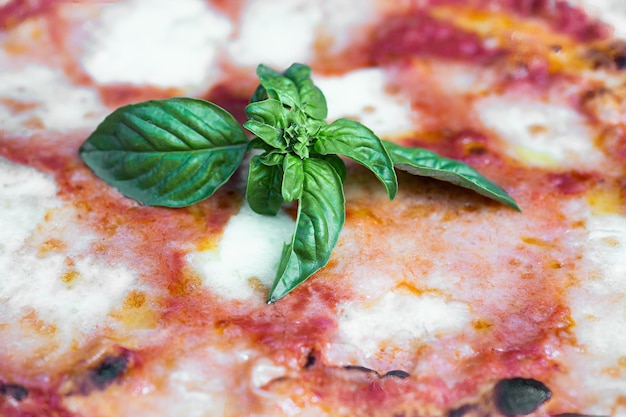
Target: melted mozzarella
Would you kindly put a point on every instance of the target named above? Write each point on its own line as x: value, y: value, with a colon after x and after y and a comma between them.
x: 396, y: 322
x: 539, y: 133
x: 612, y: 12
x: 247, y: 255
x: 363, y: 95
x: 31, y: 102
x: 289, y: 24
x: 51, y: 294
x: 597, y: 302
x: 159, y: 42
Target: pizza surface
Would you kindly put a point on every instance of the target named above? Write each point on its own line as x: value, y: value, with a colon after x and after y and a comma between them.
x: 438, y: 303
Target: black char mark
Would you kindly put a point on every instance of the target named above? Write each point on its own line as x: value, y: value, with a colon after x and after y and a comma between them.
x: 108, y: 371
x: 17, y: 392
x: 311, y: 359
x: 396, y: 373
x: 520, y: 396
x: 620, y: 63
x: 462, y: 411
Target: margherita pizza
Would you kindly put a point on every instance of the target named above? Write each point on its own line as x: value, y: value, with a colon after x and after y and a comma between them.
x: 438, y: 302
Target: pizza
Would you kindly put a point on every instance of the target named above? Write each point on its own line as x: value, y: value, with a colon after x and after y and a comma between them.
x: 440, y: 302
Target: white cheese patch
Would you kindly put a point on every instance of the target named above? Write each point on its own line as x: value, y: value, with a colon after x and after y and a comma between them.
x: 276, y: 32
x: 247, y: 254
x: 41, y: 98
x: 51, y: 297
x: 460, y: 78
x: 398, y: 320
x: 597, y: 305
x: 612, y: 12
x: 25, y: 196
x: 539, y: 133
x: 158, y: 42
x: 363, y: 95
x: 344, y: 24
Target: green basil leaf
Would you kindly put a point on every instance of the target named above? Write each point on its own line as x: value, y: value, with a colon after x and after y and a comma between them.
x: 272, y: 158
x: 270, y: 112
x: 312, y: 99
x: 269, y: 134
x: 423, y: 162
x: 268, y: 118
x: 263, y: 191
x: 338, y: 164
x: 293, y: 177
x: 278, y: 86
x: 172, y: 152
x: 321, y: 215
x: 352, y: 139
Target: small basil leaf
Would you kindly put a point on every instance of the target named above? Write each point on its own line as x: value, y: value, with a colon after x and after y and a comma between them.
x: 312, y: 99
x: 270, y: 112
x: 352, y: 139
x: 293, y: 177
x: 278, y: 86
x: 338, y: 164
x: 263, y: 191
x: 423, y: 162
x: 172, y: 152
x: 269, y: 134
x: 321, y: 215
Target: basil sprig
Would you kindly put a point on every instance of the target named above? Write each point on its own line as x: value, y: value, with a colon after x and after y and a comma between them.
x: 179, y: 151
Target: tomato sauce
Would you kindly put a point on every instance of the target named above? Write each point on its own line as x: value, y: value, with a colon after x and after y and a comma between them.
x: 16, y: 11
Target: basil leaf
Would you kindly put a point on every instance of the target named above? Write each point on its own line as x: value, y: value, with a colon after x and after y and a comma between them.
x: 263, y: 191
x: 293, y: 177
x: 418, y: 161
x: 352, y: 139
x: 272, y: 158
x: 338, y: 164
x: 270, y: 112
x: 278, y: 86
x: 312, y: 99
x: 269, y: 134
x: 321, y: 214
x: 172, y: 152
x: 268, y: 118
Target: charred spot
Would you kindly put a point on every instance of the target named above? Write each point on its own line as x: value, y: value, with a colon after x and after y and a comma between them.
x: 98, y: 375
x: 462, y: 411
x: 397, y: 373
x: 520, y: 396
x: 608, y: 55
x: 620, y: 61
x: 310, y: 359
x: 109, y: 370
x: 15, y: 391
x: 360, y: 368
